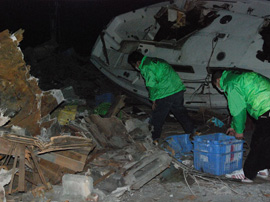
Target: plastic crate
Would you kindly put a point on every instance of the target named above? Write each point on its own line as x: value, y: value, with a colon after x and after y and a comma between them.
x: 217, y: 154
x: 218, y: 164
x: 217, y: 143
x: 178, y: 146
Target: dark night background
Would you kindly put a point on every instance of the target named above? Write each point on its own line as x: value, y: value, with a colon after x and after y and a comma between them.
x: 58, y: 38
x: 74, y: 23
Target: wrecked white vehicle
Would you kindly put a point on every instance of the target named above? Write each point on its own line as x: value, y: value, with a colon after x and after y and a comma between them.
x: 195, y: 37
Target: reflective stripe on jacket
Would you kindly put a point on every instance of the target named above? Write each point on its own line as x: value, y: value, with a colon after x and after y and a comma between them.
x: 246, y: 92
x: 160, y: 78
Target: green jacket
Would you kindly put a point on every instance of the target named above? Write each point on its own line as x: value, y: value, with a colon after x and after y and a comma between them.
x: 246, y: 92
x: 160, y: 78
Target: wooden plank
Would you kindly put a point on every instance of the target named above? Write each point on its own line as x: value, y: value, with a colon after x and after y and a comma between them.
x: 65, y: 159
x: 117, y: 105
x: 104, y: 177
x: 38, y: 168
x: 13, y: 170
x: 77, y: 147
x: 99, y: 138
x: 5, y: 147
x: 95, y: 154
x: 21, y: 187
x: 110, y: 128
x: 53, y: 172
x: 74, y: 155
x: 67, y: 143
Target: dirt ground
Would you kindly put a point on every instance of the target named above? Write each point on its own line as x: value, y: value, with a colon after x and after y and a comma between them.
x: 171, y: 186
x: 200, y: 191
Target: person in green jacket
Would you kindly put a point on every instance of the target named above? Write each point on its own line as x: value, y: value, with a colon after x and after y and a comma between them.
x: 248, y: 92
x: 166, y: 91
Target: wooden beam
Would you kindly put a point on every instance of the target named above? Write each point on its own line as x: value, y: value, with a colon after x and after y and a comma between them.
x: 38, y: 168
x: 104, y: 177
x: 13, y: 171
x: 68, y: 159
x: 117, y: 105
x: 21, y: 187
x: 6, y: 147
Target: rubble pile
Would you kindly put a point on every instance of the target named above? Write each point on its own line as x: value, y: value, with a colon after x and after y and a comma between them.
x: 51, y: 151
x: 57, y: 146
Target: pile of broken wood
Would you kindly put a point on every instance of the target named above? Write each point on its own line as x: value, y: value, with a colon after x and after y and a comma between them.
x: 116, y: 153
x: 36, y: 151
x: 107, y: 147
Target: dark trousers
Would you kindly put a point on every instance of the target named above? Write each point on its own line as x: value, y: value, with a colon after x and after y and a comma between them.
x: 259, y: 155
x: 174, y: 104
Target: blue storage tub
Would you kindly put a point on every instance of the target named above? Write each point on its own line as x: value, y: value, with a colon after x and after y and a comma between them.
x: 217, y: 143
x: 218, y: 153
x: 178, y: 146
x: 218, y: 164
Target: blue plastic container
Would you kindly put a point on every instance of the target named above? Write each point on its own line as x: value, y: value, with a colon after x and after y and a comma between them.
x: 218, y: 164
x: 179, y: 146
x: 217, y: 143
x: 217, y: 154
x: 106, y: 97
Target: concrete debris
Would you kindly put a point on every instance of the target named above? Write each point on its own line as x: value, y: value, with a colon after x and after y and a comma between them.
x: 5, y: 177
x: 108, y: 132
x: 138, y: 129
x: 134, y: 123
x: 70, y: 96
x: 64, y: 151
x: 3, y: 119
x: 77, y: 186
x: 54, y: 138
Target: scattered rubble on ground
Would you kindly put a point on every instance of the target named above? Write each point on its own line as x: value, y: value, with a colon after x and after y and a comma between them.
x: 78, y: 152
x: 55, y: 147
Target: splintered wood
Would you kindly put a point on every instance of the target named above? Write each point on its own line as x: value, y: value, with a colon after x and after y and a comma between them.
x: 107, y: 132
x: 21, y: 97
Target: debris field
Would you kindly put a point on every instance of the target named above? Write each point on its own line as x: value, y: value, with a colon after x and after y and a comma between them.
x: 68, y: 134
